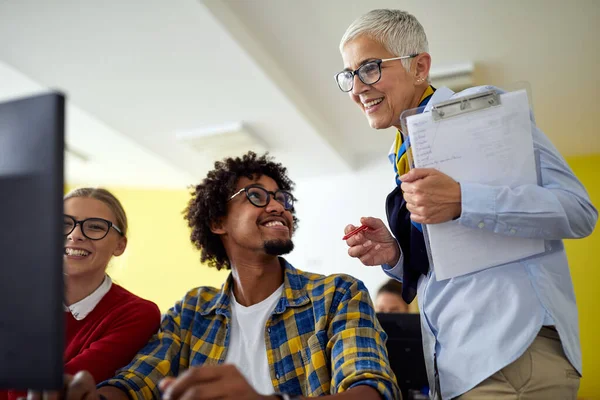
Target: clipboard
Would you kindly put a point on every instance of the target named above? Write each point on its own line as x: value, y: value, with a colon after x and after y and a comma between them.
x: 483, y: 138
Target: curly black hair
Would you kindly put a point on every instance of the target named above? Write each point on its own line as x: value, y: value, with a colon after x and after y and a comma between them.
x: 209, y: 200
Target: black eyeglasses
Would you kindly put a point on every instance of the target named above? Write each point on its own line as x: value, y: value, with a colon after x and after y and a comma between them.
x: 92, y: 228
x: 260, y: 197
x: 369, y: 73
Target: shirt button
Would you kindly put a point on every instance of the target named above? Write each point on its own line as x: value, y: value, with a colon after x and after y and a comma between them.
x: 269, y: 329
x: 276, y: 376
x: 481, y: 225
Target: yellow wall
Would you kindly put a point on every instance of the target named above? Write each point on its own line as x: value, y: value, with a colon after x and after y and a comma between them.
x: 160, y: 264
x: 584, y: 260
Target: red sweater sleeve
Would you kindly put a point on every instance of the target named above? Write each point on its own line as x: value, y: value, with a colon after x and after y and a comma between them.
x: 130, y: 330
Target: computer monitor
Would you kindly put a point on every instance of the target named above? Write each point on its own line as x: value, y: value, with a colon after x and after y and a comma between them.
x: 31, y: 242
x: 405, y: 350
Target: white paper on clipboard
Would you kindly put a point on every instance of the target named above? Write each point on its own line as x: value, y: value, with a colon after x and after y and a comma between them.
x: 484, y: 139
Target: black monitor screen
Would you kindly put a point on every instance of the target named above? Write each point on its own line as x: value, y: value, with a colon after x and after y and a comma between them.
x: 405, y: 350
x: 31, y: 242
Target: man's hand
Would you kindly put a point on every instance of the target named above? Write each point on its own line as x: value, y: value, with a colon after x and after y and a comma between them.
x: 431, y: 197
x: 375, y: 246
x: 209, y: 382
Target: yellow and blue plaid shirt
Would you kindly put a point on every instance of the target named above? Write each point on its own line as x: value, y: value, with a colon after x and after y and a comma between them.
x: 322, y: 338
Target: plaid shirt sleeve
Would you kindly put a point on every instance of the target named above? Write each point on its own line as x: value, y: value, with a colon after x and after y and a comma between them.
x: 357, y: 345
x: 158, y: 359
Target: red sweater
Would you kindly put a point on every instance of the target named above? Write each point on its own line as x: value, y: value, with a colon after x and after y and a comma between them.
x: 107, y: 338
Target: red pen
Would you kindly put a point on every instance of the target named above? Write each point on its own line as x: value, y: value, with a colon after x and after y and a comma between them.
x: 354, y: 232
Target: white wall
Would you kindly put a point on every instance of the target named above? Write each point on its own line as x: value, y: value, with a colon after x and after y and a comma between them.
x: 325, y: 206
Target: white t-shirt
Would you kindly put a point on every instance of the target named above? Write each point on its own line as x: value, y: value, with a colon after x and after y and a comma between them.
x: 247, y: 349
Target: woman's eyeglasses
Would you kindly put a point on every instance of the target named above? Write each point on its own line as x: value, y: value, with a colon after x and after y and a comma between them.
x: 369, y: 73
x: 92, y: 228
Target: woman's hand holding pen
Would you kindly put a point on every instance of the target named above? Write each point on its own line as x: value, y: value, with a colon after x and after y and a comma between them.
x: 374, y: 245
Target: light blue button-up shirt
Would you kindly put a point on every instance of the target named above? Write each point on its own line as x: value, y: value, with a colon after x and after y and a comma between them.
x: 479, y: 323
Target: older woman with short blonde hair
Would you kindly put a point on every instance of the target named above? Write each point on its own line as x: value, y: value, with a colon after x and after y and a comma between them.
x: 502, y: 332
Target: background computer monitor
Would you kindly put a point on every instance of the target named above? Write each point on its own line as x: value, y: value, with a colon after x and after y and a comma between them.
x: 31, y: 242
x: 405, y: 350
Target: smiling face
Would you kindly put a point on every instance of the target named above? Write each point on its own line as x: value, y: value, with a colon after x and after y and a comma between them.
x: 84, y: 257
x: 397, y: 90
x: 248, y: 229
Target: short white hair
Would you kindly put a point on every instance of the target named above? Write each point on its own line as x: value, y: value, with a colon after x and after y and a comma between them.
x: 398, y: 31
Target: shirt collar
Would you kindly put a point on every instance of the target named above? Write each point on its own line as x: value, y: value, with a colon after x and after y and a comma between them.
x: 83, y: 307
x: 294, y: 293
x: 441, y: 94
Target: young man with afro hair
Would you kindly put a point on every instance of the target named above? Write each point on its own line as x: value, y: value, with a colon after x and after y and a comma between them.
x: 271, y: 331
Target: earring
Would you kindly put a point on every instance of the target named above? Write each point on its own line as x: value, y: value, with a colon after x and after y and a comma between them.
x: 420, y: 80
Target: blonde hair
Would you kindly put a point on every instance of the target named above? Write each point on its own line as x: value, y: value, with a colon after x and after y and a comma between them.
x: 107, y: 198
x: 398, y: 31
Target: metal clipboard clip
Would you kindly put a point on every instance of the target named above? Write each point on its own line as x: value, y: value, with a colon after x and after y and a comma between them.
x: 451, y: 108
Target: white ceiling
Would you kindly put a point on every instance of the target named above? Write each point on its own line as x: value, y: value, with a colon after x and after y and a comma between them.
x: 98, y: 154
x: 137, y: 73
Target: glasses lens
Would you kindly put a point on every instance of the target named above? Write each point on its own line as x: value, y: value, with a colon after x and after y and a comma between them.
x: 69, y: 225
x: 285, y: 198
x: 369, y: 73
x: 95, y: 228
x: 257, y: 196
x: 345, y: 79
